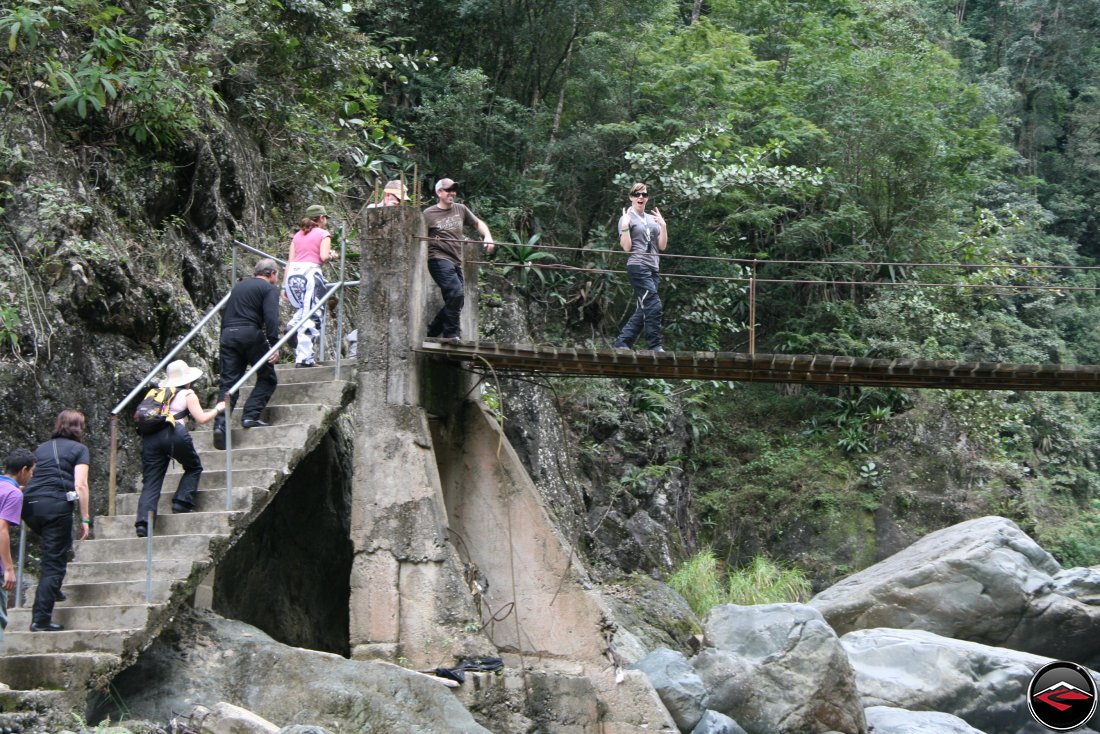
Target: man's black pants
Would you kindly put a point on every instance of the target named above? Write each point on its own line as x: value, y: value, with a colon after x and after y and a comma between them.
x: 242, y: 347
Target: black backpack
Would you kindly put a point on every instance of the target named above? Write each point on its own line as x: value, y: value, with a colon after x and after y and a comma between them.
x: 153, y: 412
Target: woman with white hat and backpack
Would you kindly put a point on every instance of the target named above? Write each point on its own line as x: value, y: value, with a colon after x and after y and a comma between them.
x: 173, y: 442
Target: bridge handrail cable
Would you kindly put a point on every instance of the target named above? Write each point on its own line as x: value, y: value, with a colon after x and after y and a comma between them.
x: 762, y: 262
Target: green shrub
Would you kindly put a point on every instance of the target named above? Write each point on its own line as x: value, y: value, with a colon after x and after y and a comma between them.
x: 765, y: 582
x: 697, y: 580
x: 703, y: 585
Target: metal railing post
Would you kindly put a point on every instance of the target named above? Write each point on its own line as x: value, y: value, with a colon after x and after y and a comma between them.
x: 149, y: 557
x: 112, y: 475
x: 340, y: 306
x: 19, y: 565
x: 233, y: 269
x: 752, y: 310
x: 228, y: 451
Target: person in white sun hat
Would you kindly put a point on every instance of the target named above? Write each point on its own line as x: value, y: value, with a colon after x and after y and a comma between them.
x: 173, y: 442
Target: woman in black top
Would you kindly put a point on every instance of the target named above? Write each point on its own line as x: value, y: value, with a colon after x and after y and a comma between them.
x: 60, y: 480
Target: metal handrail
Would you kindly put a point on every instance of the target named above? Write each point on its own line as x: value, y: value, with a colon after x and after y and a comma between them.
x: 259, y: 363
x: 112, y: 480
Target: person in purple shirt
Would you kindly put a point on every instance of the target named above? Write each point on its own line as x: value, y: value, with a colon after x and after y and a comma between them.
x: 18, y: 470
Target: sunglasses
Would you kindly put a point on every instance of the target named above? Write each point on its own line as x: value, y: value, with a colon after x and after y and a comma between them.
x: 453, y: 189
x: 640, y: 195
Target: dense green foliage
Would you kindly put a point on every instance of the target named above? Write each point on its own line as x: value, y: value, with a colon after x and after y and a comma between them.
x: 863, y: 133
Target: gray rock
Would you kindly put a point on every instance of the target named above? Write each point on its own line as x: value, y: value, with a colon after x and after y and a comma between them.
x: 304, y: 729
x: 919, y: 671
x: 716, y: 723
x: 216, y: 659
x: 778, y: 668
x: 982, y: 580
x: 887, y: 720
x: 1062, y: 622
x: 225, y: 718
x: 679, y: 686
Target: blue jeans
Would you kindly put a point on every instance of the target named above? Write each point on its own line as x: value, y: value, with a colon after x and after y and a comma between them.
x: 647, y: 315
x: 448, y: 277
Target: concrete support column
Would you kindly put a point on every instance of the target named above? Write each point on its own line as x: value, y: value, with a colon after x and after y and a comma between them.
x: 408, y: 592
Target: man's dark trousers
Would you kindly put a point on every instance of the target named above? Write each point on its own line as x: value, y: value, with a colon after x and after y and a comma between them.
x: 241, y: 347
x: 448, y: 277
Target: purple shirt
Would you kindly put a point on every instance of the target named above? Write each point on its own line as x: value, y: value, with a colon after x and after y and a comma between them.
x: 11, y: 502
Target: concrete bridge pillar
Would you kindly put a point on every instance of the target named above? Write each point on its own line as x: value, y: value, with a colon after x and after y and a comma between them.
x: 433, y: 467
x: 409, y: 598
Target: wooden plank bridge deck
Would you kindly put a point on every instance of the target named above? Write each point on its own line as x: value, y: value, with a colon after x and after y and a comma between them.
x: 793, y: 368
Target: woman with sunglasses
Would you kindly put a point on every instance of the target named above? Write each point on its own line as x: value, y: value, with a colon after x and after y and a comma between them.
x: 642, y: 234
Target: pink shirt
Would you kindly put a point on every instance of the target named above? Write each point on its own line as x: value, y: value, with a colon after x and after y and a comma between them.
x: 307, y: 245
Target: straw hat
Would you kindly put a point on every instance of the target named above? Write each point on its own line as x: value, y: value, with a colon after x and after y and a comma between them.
x: 179, y: 373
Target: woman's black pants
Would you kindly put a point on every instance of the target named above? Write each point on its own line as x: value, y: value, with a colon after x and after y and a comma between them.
x: 52, y: 519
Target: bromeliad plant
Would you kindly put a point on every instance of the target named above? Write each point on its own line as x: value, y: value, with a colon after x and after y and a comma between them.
x: 523, y: 260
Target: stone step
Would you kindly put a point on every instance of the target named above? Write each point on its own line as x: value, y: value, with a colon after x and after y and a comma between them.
x: 265, y: 457
x: 214, y: 480
x: 191, y: 523
x: 26, y: 672
x: 206, y: 500
x: 109, y: 593
x: 189, y: 547
x: 278, y: 434
x: 24, y: 642
x: 85, y: 618
x: 299, y: 393
x: 323, y: 372
x: 15, y: 703
x: 84, y: 572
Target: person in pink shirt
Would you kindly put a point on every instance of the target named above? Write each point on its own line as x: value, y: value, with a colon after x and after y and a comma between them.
x: 310, y: 248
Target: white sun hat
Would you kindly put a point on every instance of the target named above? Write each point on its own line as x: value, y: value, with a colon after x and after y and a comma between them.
x: 179, y: 373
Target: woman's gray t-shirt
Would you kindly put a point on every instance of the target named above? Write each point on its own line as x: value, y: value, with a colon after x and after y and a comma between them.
x: 644, y: 236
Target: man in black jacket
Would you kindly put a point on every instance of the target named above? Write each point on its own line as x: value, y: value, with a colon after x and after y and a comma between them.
x: 250, y: 326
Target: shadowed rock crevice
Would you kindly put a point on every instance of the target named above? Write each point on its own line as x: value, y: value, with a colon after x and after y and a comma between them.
x: 289, y: 574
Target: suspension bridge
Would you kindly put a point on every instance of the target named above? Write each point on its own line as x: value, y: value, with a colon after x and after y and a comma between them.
x: 751, y: 366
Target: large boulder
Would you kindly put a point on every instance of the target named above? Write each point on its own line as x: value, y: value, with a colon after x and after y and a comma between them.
x: 778, y: 668
x: 919, y: 671
x: 887, y: 720
x: 1061, y: 622
x: 211, y: 659
x: 983, y: 580
x: 679, y: 686
x: 716, y: 723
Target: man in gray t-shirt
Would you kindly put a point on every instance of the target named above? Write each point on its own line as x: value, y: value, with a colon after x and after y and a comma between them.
x: 643, y: 234
x: 445, y: 221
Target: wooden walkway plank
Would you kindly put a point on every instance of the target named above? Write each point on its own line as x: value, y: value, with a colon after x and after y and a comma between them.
x: 814, y: 369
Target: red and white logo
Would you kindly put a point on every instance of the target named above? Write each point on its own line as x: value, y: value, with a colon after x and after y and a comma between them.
x: 1062, y: 696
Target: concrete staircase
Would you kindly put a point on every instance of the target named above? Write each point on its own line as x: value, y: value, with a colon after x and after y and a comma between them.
x: 107, y: 620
